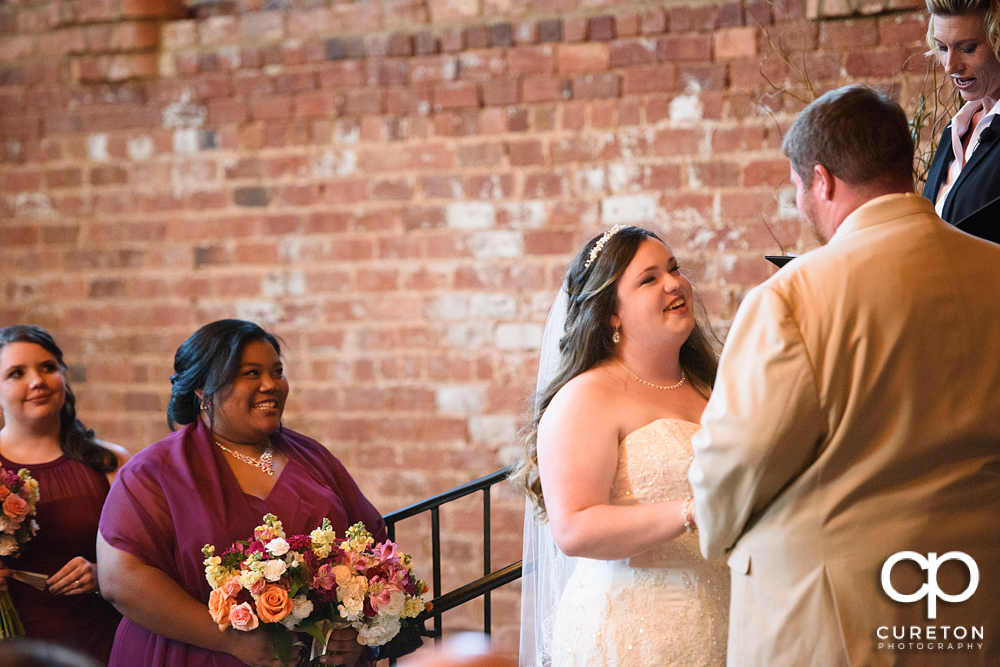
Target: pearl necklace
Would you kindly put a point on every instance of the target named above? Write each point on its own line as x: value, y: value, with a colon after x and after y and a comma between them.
x: 263, y: 461
x: 656, y: 386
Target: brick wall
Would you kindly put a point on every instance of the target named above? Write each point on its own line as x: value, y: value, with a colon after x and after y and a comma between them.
x: 394, y: 187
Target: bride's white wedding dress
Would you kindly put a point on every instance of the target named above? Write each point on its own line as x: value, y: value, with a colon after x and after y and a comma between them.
x: 667, y: 607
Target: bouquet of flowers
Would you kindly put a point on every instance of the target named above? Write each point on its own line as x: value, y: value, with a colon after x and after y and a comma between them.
x: 313, y: 583
x: 18, y: 497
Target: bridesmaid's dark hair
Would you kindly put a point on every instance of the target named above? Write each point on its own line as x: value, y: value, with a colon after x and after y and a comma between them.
x: 76, y: 440
x: 593, y: 299
x: 209, y: 360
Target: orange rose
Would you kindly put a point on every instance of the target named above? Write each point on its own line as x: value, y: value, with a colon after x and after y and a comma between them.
x: 15, y: 507
x: 219, y: 605
x: 4, y: 492
x: 274, y: 604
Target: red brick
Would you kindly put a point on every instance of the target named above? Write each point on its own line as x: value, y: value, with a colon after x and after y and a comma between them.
x: 653, y: 22
x: 735, y: 43
x: 433, y: 156
x: 169, y: 9
x: 596, y: 86
x: 525, y: 153
x: 135, y: 36
x: 632, y: 52
x: 684, y: 47
x: 574, y: 29
x: 271, y: 108
x: 432, y: 69
x: 848, y: 35
x: 342, y: 74
x: 362, y: 102
x: 898, y: 30
x: 686, y: 19
x: 645, y: 80
x: 545, y: 89
x: 455, y: 95
x: 627, y: 24
x: 874, y: 63
x: 738, y: 139
x: 677, y: 141
x: 531, y: 60
x: 315, y: 104
x: 706, y: 77
x: 500, y: 92
x: 592, y: 57
x: 541, y: 185
x: 486, y: 154
x: 481, y: 65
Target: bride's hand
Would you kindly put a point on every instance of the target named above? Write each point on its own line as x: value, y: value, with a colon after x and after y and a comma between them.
x: 689, y: 514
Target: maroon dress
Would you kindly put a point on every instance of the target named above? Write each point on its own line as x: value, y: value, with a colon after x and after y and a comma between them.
x: 179, y: 494
x: 70, y: 498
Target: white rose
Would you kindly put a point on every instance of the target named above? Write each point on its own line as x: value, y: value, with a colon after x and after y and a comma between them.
x: 8, y: 545
x: 395, y: 605
x: 277, y: 547
x: 274, y: 569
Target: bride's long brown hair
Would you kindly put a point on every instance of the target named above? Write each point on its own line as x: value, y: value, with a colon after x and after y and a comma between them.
x: 593, y: 299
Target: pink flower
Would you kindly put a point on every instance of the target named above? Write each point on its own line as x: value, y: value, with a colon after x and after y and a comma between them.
x: 231, y: 588
x: 325, y: 578
x: 258, y: 586
x: 242, y: 617
x: 386, y: 553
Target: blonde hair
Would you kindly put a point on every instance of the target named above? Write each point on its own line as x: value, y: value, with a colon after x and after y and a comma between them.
x: 988, y: 9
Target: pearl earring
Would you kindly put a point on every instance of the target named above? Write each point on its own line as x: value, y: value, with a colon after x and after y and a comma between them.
x: 616, y: 337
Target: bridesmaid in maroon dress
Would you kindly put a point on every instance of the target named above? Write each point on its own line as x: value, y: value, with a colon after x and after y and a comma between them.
x: 41, y: 432
x: 211, y: 482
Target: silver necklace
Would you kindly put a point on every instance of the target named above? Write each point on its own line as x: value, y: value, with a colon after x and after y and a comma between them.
x: 263, y: 461
x: 655, y: 386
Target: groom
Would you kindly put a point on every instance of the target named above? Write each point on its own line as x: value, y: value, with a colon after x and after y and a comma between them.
x: 852, y: 441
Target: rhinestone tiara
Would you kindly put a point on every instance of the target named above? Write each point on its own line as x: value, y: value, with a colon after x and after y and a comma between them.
x: 599, y: 246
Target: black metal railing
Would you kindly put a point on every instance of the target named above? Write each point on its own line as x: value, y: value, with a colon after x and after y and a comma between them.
x: 480, y: 587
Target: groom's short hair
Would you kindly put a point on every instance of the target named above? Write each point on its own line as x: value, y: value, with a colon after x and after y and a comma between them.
x: 856, y: 133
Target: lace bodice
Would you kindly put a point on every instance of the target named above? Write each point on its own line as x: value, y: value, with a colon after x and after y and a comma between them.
x: 665, y: 607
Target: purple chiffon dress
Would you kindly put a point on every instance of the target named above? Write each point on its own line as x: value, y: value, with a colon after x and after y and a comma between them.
x: 179, y: 494
x: 70, y: 498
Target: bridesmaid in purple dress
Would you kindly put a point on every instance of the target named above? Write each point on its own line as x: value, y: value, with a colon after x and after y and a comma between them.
x: 211, y: 482
x: 74, y: 471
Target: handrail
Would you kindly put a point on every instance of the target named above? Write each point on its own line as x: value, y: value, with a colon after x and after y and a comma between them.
x: 480, y: 587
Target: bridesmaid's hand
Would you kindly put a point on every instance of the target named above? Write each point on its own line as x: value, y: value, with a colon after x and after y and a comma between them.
x: 76, y: 577
x: 256, y: 648
x: 343, y: 648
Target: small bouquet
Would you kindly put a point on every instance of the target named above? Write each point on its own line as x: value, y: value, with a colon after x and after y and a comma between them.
x: 18, y: 498
x: 313, y: 583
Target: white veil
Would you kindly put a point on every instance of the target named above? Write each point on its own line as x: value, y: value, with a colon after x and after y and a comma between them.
x: 545, y: 569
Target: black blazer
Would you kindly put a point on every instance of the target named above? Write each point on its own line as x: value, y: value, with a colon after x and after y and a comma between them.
x: 973, y: 204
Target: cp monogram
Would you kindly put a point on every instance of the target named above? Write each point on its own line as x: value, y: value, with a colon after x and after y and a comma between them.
x: 930, y: 589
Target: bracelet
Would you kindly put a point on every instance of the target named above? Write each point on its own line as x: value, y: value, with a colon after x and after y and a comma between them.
x: 686, y: 513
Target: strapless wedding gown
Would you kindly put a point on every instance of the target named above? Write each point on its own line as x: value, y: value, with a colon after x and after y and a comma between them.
x: 667, y: 607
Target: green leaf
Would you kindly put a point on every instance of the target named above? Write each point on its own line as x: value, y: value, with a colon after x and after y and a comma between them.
x: 282, y: 645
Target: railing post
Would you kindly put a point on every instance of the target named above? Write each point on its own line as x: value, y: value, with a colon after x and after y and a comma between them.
x: 487, y: 562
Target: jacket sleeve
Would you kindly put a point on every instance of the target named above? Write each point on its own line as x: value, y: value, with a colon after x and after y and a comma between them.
x: 762, y: 426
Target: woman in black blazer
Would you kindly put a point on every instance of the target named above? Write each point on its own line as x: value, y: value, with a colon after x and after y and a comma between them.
x: 964, y: 177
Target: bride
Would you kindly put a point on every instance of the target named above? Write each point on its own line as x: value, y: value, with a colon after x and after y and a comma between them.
x: 614, y: 577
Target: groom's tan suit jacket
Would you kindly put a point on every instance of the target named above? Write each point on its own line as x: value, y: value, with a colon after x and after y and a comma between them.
x: 856, y: 415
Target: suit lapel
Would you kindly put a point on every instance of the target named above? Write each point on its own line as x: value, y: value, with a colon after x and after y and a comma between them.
x: 939, y: 165
x: 978, y: 155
